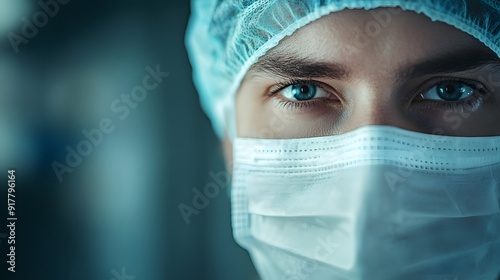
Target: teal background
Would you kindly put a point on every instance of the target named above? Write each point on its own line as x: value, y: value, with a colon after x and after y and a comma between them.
x: 119, y: 207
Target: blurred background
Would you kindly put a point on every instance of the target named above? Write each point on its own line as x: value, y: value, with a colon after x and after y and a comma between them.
x: 103, y: 168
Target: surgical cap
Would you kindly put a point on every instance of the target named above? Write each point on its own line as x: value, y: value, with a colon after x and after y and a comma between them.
x: 226, y: 37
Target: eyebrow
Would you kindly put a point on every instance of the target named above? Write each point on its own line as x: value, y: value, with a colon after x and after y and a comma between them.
x: 288, y: 65
x: 456, y: 61
x: 291, y: 65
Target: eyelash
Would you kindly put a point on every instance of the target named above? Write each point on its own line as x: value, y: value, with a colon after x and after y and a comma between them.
x: 298, y: 105
x: 462, y: 105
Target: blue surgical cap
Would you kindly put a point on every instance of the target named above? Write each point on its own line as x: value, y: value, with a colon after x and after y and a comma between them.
x: 226, y: 37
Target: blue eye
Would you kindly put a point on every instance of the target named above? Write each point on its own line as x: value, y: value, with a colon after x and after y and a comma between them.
x: 449, y: 91
x: 303, y: 92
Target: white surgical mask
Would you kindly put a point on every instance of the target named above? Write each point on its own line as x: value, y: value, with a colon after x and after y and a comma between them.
x: 375, y: 203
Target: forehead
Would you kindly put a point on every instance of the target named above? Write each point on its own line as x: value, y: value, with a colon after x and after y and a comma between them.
x: 391, y: 35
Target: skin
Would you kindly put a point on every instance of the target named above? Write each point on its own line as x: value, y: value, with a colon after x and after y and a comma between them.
x: 384, y: 72
x: 389, y: 78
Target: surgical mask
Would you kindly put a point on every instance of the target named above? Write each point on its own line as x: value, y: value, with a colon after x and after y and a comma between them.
x: 378, y: 202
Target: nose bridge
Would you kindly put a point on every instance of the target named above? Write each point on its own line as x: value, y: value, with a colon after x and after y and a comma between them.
x: 377, y: 113
x: 371, y: 105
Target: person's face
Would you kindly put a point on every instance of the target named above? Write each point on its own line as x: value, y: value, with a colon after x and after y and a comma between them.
x: 348, y: 70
